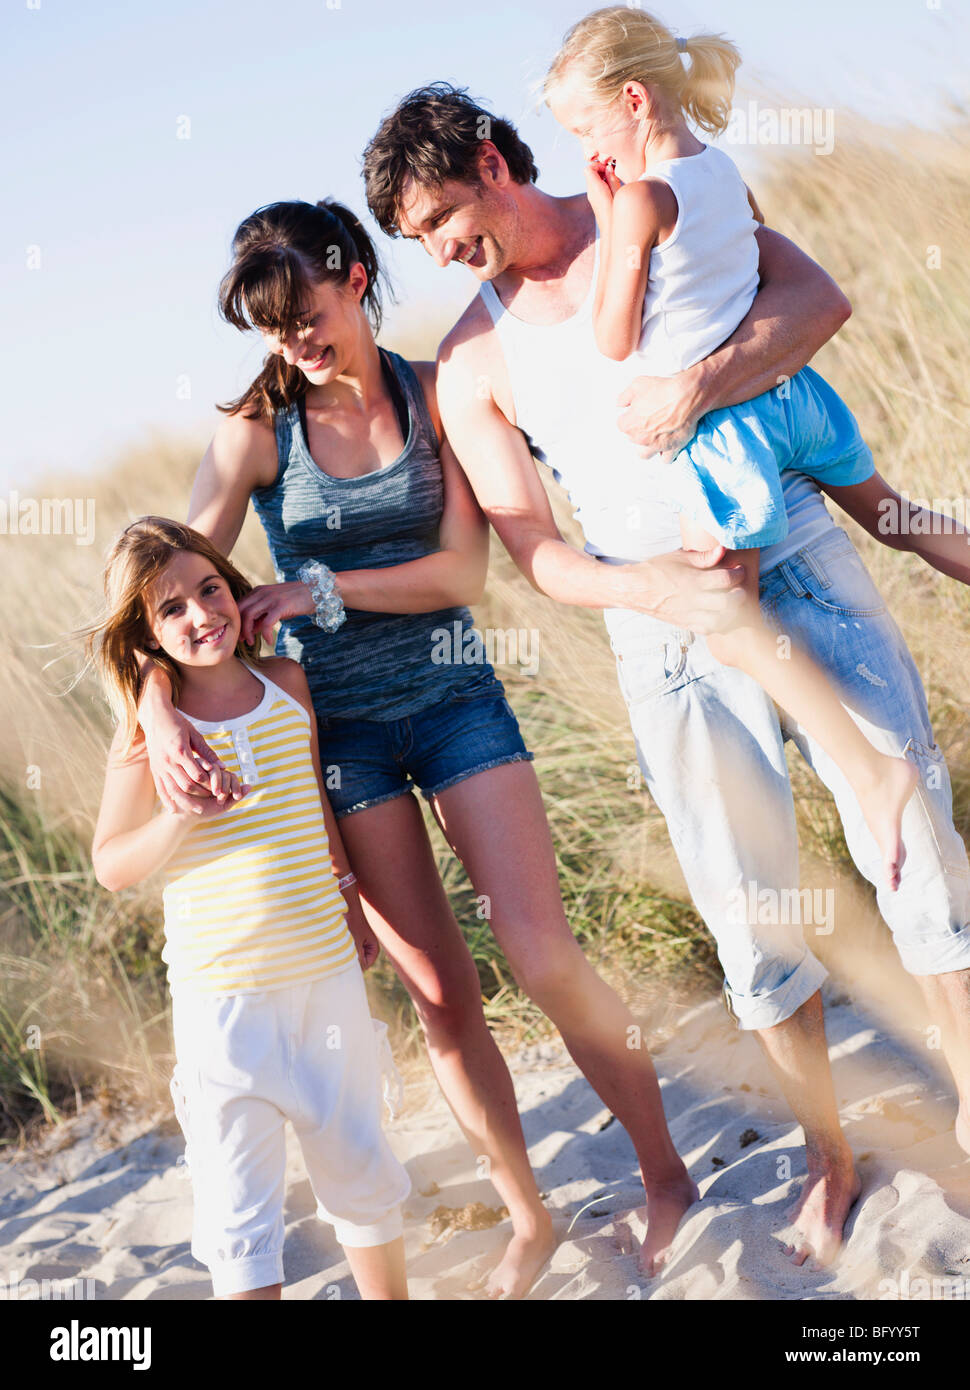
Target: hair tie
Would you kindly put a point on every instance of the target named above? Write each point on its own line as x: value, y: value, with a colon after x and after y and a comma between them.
x: 682, y: 45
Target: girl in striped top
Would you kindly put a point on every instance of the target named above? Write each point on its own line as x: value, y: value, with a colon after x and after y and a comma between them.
x: 264, y: 933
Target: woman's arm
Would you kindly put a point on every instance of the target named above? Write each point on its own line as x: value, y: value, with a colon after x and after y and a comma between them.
x: 903, y: 525
x: 451, y: 576
x: 291, y: 676
x: 241, y: 456
x: 641, y: 211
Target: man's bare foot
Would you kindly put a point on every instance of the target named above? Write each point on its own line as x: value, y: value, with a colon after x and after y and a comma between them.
x: 522, y: 1263
x: 883, y: 805
x: 820, y: 1214
x: 666, y: 1205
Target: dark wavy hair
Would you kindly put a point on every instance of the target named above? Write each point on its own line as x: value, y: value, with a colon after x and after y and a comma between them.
x: 279, y: 253
x: 435, y: 135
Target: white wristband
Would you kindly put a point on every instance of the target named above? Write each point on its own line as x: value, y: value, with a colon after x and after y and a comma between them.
x: 347, y: 880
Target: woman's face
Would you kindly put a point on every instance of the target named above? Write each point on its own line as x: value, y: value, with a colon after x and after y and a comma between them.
x: 191, y: 612
x: 327, y: 339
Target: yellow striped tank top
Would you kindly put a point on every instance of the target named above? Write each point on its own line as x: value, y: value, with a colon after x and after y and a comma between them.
x: 251, y: 901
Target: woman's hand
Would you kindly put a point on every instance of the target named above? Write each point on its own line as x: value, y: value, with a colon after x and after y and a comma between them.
x: 188, y: 777
x: 269, y: 604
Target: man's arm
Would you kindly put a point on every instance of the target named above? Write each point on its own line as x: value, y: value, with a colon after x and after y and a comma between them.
x: 681, y: 588
x: 796, y: 310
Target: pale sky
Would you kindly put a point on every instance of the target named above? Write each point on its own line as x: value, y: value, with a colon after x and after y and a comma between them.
x: 116, y: 232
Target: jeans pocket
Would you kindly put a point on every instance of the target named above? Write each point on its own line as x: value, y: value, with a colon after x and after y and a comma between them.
x: 647, y: 675
x: 837, y: 582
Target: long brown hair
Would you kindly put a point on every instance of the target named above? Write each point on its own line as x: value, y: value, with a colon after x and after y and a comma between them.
x: 279, y: 252
x: 114, y: 639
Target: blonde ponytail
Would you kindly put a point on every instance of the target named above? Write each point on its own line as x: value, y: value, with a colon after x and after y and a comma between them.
x: 619, y: 44
x: 708, y: 87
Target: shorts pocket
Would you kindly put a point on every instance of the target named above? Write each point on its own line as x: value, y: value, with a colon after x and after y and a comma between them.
x: 180, y: 1100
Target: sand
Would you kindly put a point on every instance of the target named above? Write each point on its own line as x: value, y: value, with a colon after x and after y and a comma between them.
x: 109, y: 1201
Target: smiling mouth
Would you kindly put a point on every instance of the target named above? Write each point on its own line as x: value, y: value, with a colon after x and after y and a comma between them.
x: 472, y: 253
x: 316, y: 364
x: 211, y: 637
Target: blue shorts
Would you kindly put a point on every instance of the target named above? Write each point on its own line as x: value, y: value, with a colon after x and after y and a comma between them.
x: 367, y: 761
x: 727, y: 478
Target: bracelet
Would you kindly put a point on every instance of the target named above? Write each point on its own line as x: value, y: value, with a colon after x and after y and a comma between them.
x: 329, y: 605
x: 347, y: 880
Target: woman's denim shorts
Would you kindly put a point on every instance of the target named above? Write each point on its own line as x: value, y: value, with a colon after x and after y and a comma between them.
x: 367, y: 761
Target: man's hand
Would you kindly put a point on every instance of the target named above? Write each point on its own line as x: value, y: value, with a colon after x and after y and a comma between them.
x: 688, y: 588
x: 660, y: 413
x: 269, y: 604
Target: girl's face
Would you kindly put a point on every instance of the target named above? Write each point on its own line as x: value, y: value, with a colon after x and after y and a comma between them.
x: 327, y: 340
x: 614, y: 135
x: 191, y: 612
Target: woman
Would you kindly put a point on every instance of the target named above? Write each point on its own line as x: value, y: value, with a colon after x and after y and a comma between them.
x: 339, y: 445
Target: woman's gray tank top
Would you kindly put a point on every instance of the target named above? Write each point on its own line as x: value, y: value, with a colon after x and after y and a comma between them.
x: 376, y: 665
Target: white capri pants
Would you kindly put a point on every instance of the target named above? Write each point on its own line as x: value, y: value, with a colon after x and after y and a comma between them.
x: 247, y: 1063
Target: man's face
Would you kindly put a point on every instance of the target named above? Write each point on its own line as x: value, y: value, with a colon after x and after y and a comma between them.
x: 465, y: 222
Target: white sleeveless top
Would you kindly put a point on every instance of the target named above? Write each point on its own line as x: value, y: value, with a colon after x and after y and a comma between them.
x: 704, y: 277
x: 564, y: 392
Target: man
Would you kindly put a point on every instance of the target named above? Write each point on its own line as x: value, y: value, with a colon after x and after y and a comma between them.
x: 521, y: 366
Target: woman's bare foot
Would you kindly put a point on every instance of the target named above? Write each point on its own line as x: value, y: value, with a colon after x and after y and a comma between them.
x: 819, y: 1216
x: 667, y: 1204
x: 882, y: 805
x: 522, y: 1263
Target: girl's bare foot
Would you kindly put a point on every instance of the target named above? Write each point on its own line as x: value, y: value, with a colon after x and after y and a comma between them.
x: 667, y: 1204
x: 963, y: 1127
x: 882, y: 805
x: 522, y: 1263
x: 819, y: 1216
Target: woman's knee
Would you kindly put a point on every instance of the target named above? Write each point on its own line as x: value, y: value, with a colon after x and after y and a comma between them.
x: 551, y: 977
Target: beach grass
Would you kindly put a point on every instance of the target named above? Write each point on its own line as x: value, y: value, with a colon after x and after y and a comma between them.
x: 82, y: 998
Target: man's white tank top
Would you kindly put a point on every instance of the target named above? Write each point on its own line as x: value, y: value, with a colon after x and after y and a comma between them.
x: 564, y: 392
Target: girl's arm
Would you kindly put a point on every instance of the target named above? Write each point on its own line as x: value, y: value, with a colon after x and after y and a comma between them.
x: 291, y: 676
x: 129, y: 844
x: 453, y: 575
x: 642, y: 214
x: 902, y: 525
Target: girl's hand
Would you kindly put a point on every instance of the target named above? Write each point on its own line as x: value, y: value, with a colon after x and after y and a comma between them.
x: 601, y: 187
x: 269, y: 604
x: 186, y: 772
x: 221, y: 799
x: 368, y: 946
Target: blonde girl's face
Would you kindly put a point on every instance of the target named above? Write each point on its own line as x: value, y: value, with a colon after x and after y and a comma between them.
x: 612, y: 135
x: 191, y: 612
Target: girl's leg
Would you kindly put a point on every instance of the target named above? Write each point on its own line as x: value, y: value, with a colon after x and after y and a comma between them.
x: 496, y: 823
x: 882, y: 784
x: 407, y: 906
x: 270, y: 1291
x: 378, y: 1270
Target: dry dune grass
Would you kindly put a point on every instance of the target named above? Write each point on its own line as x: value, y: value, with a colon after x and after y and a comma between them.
x: 82, y: 966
